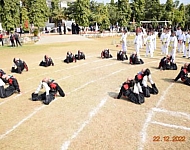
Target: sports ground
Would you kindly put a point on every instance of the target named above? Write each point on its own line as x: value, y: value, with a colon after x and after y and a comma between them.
x: 88, y: 117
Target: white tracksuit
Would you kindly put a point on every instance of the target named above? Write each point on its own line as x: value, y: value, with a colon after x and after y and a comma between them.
x: 181, y: 39
x: 137, y: 43
x: 124, y: 42
x: 162, y: 46
x: 165, y: 40
x: 173, y: 45
x: 187, y: 45
x: 149, y: 46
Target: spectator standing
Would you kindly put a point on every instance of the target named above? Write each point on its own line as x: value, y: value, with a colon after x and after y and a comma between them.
x: 1, y: 38
x: 16, y: 36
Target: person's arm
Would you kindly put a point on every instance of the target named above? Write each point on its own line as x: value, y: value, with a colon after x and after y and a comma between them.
x: 39, y: 88
x: 144, y: 81
x: 59, y: 89
x: 150, y: 79
x: 16, y: 85
x: 179, y: 75
x: 120, y: 93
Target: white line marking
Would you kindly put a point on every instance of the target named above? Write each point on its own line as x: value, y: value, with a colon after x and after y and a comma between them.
x: 172, y: 113
x: 150, y: 114
x: 41, y: 107
x: 171, y: 125
x: 91, y: 114
x: 22, y: 121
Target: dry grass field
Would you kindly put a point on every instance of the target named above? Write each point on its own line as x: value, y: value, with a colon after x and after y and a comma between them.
x: 88, y: 117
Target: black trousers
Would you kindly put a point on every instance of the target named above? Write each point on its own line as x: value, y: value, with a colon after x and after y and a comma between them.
x: 187, y: 81
x: 6, y: 92
x: 46, y: 99
x: 1, y: 40
x: 17, y: 42
x: 12, y: 43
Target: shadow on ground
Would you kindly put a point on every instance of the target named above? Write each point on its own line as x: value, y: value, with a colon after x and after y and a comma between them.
x: 114, y: 96
x: 169, y: 80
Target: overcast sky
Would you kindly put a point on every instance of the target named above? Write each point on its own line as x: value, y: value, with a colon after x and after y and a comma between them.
x: 162, y: 1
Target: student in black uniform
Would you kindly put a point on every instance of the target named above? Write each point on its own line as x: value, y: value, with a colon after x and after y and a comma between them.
x: 106, y: 54
x: 166, y: 63
x: 143, y: 77
x: 11, y: 89
x: 132, y: 91
x: 121, y: 55
x: 183, y: 74
x: 51, y: 88
x: 69, y: 58
x: 47, y: 61
x: 135, y: 60
x: 19, y: 65
x: 80, y: 55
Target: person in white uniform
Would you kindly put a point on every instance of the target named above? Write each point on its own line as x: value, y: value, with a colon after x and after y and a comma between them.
x: 166, y: 39
x: 173, y: 45
x: 187, y: 45
x: 140, y: 34
x: 162, y: 41
x: 154, y: 40
x: 137, y: 43
x: 149, y: 47
x: 181, y: 44
x: 124, y: 41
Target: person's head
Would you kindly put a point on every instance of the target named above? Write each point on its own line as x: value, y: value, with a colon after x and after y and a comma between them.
x: 172, y: 33
x: 185, y: 65
x: 5, y: 76
x: 130, y: 82
x: 146, y: 71
x: 45, y: 79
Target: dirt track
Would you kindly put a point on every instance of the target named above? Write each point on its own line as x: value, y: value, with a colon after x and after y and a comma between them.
x: 89, y: 117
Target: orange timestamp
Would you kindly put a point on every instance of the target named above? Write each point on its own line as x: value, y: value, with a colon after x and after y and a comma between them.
x: 168, y: 138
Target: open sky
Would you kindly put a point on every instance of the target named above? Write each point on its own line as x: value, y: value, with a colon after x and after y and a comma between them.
x: 162, y: 1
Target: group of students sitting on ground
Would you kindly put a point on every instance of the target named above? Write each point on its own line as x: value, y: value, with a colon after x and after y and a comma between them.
x: 137, y: 88
x: 73, y: 58
x: 167, y: 63
x: 121, y: 55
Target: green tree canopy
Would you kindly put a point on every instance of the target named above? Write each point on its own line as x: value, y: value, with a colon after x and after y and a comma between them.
x: 123, y: 12
x: 82, y: 12
x: 38, y: 12
x: 10, y: 14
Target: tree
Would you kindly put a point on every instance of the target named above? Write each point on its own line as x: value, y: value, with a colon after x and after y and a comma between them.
x: 112, y: 13
x: 38, y: 12
x: 112, y: 2
x: 57, y: 13
x: 169, y: 10
x: 69, y: 12
x: 123, y: 12
x: 10, y: 13
x: 153, y: 10
x: 138, y: 7
x: 82, y: 12
x: 24, y: 18
x: 187, y: 16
